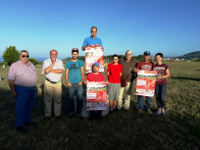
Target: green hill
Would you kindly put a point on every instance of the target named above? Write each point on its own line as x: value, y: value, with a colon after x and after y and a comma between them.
x: 191, y: 55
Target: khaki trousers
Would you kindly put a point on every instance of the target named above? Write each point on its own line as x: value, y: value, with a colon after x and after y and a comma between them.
x: 125, y: 92
x: 52, y: 92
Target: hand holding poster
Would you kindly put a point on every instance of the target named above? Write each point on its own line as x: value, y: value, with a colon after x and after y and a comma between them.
x: 146, y: 82
x: 96, y: 96
x: 93, y: 55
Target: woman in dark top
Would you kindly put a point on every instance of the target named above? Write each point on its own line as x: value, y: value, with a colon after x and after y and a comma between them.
x: 161, y: 84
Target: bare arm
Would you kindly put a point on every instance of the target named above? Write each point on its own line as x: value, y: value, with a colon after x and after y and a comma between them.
x: 67, y: 77
x: 167, y: 74
x: 121, y: 74
x: 86, y: 82
x: 83, y: 47
x: 57, y: 71
x: 49, y: 69
x: 12, y: 87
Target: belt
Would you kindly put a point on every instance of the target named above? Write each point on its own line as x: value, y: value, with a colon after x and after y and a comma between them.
x: 52, y: 81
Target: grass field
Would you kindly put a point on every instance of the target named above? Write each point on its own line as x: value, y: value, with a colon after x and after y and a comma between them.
x: 180, y: 129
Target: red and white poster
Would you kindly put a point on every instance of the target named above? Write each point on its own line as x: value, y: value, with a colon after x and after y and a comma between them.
x: 146, y: 83
x: 96, y: 96
x: 93, y: 55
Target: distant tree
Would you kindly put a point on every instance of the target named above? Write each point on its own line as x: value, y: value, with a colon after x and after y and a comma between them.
x: 197, y: 60
x: 11, y: 54
x: 33, y: 61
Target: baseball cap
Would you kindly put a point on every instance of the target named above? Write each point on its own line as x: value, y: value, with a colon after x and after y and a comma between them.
x: 128, y: 52
x: 75, y: 50
x: 146, y: 53
x: 96, y: 64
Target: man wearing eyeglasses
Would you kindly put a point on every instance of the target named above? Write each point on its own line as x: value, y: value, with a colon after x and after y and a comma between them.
x: 128, y: 64
x: 22, y: 79
x: 93, y: 40
x: 53, y: 69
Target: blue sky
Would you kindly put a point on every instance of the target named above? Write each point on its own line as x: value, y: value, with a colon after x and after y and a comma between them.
x: 168, y: 26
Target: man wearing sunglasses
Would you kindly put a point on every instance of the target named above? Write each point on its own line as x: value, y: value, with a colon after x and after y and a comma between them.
x: 22, y: 79
x: 53, y: 69
x: 93, y: 40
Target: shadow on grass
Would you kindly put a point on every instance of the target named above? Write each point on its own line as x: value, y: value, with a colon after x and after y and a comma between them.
x: 185, y: 78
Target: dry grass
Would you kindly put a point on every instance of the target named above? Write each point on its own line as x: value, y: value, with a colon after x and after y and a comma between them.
x: 180, y: 129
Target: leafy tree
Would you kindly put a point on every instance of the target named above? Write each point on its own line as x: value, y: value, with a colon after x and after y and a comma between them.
x: 11, y: 54
x: 33, y: 61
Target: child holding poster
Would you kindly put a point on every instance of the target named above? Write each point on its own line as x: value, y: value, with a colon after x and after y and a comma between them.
x: 95, y: 76
x: 161, y: 84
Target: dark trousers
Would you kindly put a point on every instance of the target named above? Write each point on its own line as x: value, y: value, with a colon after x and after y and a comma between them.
x: 95, y: 114
x: 24, y: 104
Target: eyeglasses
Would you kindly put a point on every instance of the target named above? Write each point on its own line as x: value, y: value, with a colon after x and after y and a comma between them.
x: 25, y: 56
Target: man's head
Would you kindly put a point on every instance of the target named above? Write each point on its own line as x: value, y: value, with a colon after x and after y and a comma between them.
x: 93, y: 31
x: 115, y: 58
x: 95, y: 67
x: 75, y: 53
x: 53, y: 54
x: 128, y: 55
x: 24, y: 56
x: 146, y: 56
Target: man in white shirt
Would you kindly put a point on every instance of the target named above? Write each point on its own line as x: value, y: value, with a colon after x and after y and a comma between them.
x: 53, y: 69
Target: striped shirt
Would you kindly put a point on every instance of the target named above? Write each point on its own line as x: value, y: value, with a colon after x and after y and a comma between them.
x: 22, y: 74
x: 54, y: 77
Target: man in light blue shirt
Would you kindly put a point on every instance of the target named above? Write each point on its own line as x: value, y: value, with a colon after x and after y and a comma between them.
x: 74, y: 78
x: 93, y: 40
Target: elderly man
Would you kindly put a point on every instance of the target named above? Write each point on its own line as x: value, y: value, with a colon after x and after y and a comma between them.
x: 93, y: 40
x: 128, y: 64
x: 22, y: 79
x: 53, y: 69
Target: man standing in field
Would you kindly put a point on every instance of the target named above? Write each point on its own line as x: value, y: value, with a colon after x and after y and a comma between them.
x: 144, y: 65
x: 128, y: 64
x: 53, y: 69
x: 95, y: 76
x: 114, y: 73
x: 92, y: 41
x: 22, y: 79
x: 74, y: 78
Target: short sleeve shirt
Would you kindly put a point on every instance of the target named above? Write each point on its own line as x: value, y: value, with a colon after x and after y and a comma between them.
x: 54, y: 77
x: 145, y: 66
x: 95, y: 77
x: 22, y: 74
x: 114, y: 73
x: 89, y: 40
x: 74, y: 73
x: 161, y: 70
x: 126, y: 68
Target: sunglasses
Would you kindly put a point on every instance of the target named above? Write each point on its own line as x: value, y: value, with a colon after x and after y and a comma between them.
x: 25, y: 56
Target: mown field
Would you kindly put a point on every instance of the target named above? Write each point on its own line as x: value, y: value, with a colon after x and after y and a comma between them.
x: 180, y: 129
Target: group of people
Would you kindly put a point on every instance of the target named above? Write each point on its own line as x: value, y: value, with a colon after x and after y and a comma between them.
x: 121, y: 73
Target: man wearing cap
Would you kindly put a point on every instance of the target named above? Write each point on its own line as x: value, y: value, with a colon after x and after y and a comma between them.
x: 53, y: 69
x: 128, y: 64
x: 144, y: 65
x: 74, y: 78
x: 95, y: 76
x: 93, y: 40
x: 22, y: 79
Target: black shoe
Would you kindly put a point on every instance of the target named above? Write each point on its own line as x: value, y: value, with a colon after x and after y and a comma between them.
x: 57, y: 117
x: 29, y: 124
x: 47, y: 118
x: 78, y: 115
x: 20, y: 129
x: 110, y: 112
x: 71, y: 114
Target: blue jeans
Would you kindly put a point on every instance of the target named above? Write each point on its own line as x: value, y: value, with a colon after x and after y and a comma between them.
x: 140, y: 102
x: 75, y: 90
x: 160, y: 95
x: 24, y: 104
